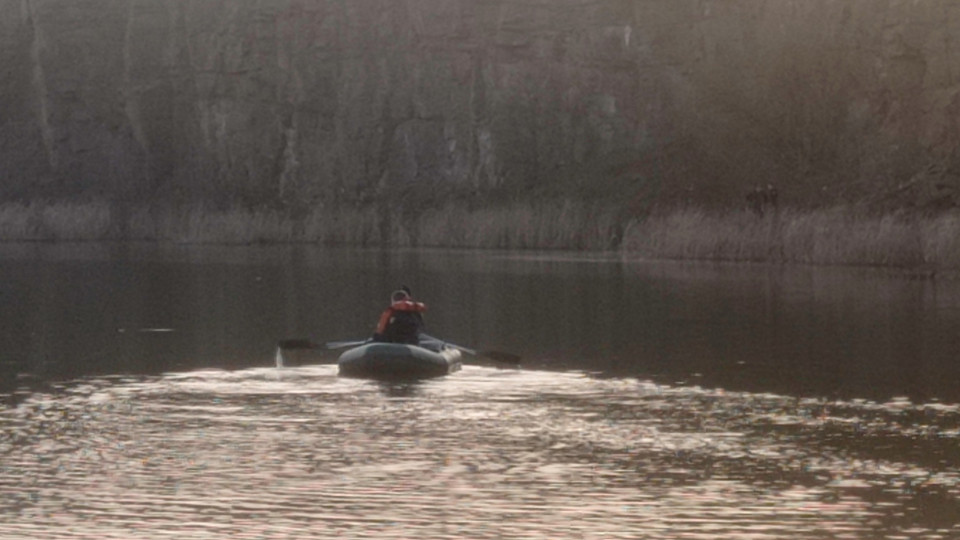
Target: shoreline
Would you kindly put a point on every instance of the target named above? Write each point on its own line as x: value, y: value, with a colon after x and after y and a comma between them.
x: 842, y: 236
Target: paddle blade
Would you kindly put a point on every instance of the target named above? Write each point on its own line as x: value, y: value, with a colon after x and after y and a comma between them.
x: 297, y: 344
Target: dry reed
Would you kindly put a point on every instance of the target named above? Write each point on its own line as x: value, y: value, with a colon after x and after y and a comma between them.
x: 55, y: 221
x: 836, y: 236
x: 200, y: 225
x: 829, y: 237
x: 547, y: 225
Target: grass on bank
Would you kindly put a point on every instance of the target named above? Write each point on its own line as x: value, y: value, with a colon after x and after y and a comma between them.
x: 198, y: 225
x: 55, y: 221
x: 562, y: 225
x: 837, y: 236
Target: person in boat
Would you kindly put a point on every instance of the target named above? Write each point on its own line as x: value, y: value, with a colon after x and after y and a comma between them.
x: 402, y: 322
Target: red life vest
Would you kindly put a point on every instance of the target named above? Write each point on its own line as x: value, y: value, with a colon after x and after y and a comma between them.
x: 408, y: 306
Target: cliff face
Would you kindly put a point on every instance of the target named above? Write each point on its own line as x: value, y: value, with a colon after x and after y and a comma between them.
x: 304, y: 101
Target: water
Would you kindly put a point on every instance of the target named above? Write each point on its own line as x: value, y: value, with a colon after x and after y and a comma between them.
x: 656, y: 401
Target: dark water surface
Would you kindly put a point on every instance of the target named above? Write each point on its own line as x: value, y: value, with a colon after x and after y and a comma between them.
x: 138, y: 399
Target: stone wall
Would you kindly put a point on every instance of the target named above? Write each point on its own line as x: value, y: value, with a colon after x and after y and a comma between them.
x: 314, y: 101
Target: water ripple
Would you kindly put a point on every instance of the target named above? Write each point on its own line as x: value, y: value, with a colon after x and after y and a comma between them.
x: 300, y: 453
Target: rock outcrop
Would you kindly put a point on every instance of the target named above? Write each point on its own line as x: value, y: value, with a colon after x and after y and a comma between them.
x: 309, y: 101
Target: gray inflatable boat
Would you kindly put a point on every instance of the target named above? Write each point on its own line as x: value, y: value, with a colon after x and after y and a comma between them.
x: 399, y: 361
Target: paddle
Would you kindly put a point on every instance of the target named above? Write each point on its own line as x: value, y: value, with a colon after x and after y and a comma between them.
x: 307, y: 344
x: 499, y: 356
x: 344, y: 344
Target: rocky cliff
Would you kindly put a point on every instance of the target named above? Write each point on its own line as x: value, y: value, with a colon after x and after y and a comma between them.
x: 306, y: 102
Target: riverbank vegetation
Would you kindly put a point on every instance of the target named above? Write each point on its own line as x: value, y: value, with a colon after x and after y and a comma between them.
x: 549, y: 225
x: 794, y: 132
x: 838, y: 236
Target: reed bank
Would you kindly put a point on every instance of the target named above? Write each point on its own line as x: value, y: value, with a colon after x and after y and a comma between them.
x: 814, y: 130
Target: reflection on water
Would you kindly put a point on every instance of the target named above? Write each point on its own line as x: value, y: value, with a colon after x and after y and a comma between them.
x: 297, y: 452
x: 72, y: 311
x: 138, y: 399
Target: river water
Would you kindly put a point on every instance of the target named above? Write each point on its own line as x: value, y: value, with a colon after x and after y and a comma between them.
x: 139, y: 398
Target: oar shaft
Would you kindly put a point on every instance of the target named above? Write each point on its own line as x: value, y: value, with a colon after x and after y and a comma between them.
x: 499, y: 356
x: 302, y: 343
x: 443, y: 342
x: 342, y: 344
x: 308, y: 344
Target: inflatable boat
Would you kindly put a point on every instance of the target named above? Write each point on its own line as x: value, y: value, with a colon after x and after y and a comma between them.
x: 399, y: 361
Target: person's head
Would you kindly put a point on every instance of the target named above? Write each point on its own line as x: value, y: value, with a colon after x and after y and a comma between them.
x: 399, y: 296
